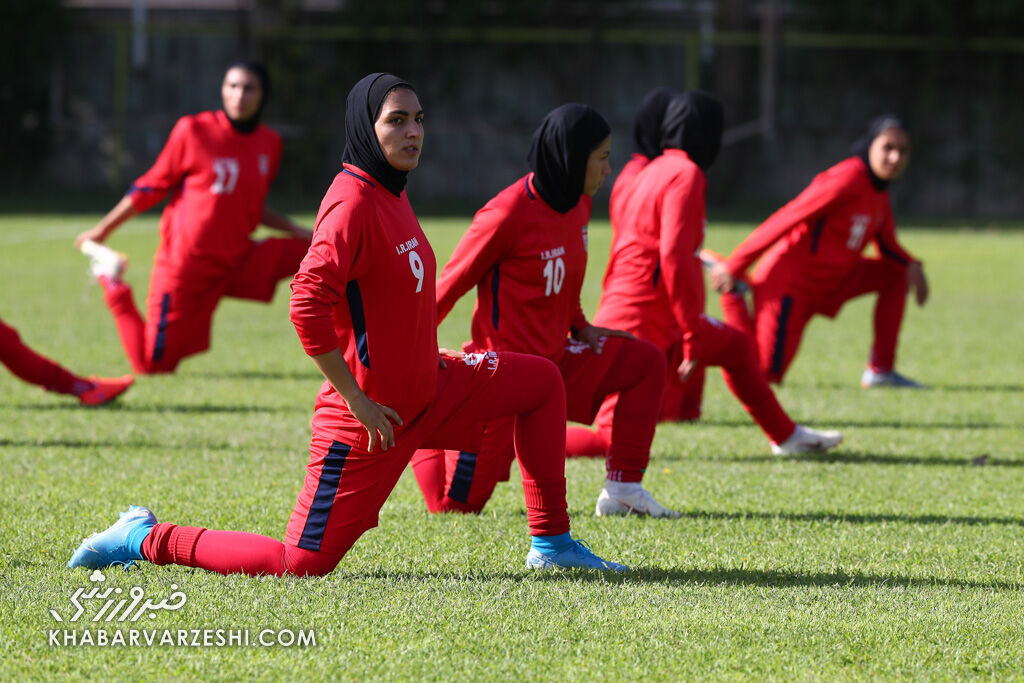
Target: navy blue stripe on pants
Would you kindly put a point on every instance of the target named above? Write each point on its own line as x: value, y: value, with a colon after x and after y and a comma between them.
x: 462, y: 479
x: 323, y: 500
x: 161, y: 329
x: 778, y: 354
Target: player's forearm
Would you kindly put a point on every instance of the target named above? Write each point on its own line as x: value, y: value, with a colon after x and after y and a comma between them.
x: 332, y: 365
x: 122, y: 211
x: 277, y: 221
x: 273, y: 219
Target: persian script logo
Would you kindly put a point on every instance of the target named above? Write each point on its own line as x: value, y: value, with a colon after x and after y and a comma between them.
x: 114, y: 606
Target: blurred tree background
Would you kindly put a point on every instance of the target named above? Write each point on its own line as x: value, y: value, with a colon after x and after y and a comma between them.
x: 91, y: 88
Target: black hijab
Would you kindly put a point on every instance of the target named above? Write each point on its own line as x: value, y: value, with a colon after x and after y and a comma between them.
x: 693, y: 123
x: 362, y: 148
x: 259, y: 70
x: 647, y: 125
x: 862, y: 145
x: 559, y: 152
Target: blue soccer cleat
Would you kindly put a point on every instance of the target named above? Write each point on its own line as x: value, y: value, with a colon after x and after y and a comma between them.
x: 120, y: 543
x: 576, y: 556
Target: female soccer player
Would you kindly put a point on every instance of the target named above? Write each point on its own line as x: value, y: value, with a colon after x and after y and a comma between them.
x: 679, y: 402
x: 28, y: 365
x: 654, y: 285
x: 812, y: 263
x: 218, y: 167
x: 363, y: 305
x: 526, y: 254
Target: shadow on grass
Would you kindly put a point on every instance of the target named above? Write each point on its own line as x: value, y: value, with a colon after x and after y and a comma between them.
x: 260, y: 374
x: 861, y: 458
x: 166, y: 408
x: 719, y: 575
x: 864, y: 424
x: 787, y: 579
x: 854, y: 518
x: 86, y: 444
x: 958, y: 388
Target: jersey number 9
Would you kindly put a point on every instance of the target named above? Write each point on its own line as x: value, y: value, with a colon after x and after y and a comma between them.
x: 416, y: 264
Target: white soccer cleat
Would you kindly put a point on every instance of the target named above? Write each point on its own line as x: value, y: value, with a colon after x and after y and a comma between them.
x: 638, y: 502
x: 807, y: 440
x: 104, y: 261
x: 870, y: 379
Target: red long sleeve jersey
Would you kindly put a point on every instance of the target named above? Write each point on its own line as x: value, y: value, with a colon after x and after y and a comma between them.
x: 218, y: 180
x: 623, y: 188
x: 367, y: 286
x: 527, y: 262
x: 653, y: 283
x: 817, y: 238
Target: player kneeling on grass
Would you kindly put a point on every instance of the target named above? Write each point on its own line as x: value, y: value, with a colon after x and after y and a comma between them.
x: 36, y: 369
x: 363, y: 305
x: 526, y: 254
x: 217, y: 167
x: 654, y: 284
x: 811, y: 262
x: 681, y: 402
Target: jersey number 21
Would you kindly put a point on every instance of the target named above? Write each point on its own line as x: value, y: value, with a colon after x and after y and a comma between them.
x: 227, y: 176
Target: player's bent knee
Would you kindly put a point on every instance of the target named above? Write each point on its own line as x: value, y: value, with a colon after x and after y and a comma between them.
x: 652, y: 359
x: 454, y: 506
x: 301, y: 562
x: 541, y: 371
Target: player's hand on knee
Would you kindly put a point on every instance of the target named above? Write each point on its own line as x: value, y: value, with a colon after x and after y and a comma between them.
x: 917, y: 282
x: 593, y: 336
x: 376, y: 419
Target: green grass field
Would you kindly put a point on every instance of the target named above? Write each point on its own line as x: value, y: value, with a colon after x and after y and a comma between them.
x: 896, y: 556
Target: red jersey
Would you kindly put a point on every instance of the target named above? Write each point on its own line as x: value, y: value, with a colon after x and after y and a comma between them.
x: 622, y: 189
x: 654, y: 285
x: 366, y: 286
x: 218, y: 180
x: 816, y: 239
x: 527, y: 262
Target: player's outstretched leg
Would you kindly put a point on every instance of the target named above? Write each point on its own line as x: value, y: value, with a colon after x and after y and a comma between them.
x: 31, y: 367
x: 137, y: 536
x: 735, y: 353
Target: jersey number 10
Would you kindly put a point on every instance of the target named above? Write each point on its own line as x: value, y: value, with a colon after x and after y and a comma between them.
x: 554, y: 273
